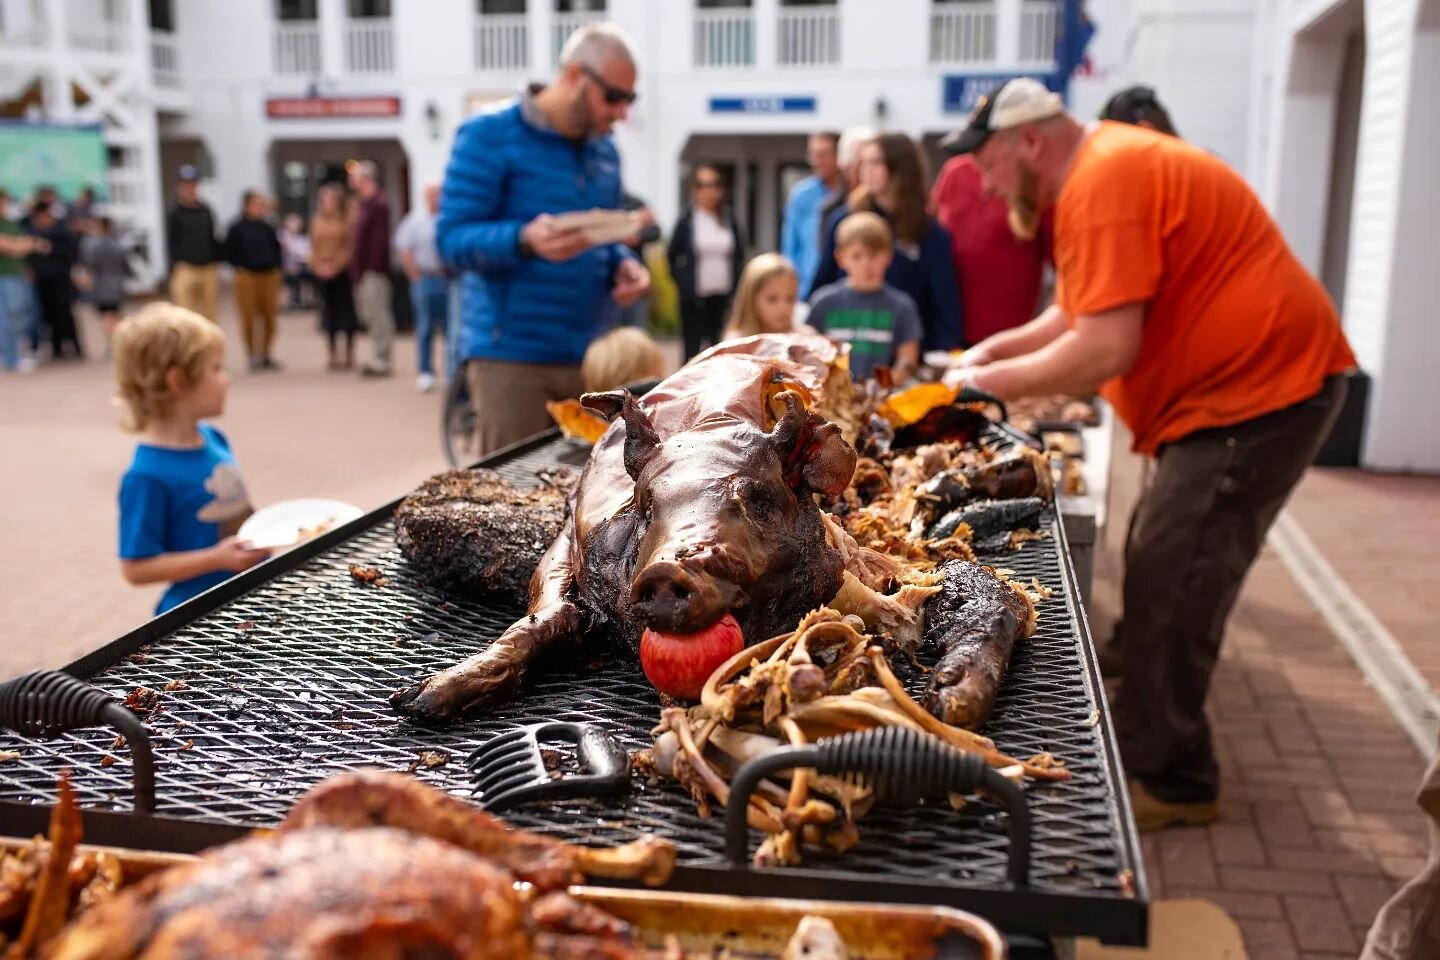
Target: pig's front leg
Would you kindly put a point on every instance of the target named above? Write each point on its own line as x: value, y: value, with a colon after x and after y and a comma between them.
x: 491, y: 677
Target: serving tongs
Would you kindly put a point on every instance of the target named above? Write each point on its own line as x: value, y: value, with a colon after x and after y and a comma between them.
x: 45, y: 703
x: 905, y: 765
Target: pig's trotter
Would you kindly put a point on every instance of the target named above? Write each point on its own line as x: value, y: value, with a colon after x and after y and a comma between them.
x: 491, y: 677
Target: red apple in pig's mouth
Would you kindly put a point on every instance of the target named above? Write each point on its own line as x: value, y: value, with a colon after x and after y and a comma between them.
x: 678, y: 664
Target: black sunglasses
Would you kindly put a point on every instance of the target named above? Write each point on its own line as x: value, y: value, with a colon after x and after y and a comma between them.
x: 613, y: 95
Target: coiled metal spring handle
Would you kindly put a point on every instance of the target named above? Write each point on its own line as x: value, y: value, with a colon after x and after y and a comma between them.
x: 47, y: 702
x: 907, y: 764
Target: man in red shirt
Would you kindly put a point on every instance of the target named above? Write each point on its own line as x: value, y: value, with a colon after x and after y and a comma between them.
x: 1000, y: 275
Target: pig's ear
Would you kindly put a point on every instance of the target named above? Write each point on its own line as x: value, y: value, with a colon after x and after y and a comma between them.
x: 641, y: 440
x: 816, y: 457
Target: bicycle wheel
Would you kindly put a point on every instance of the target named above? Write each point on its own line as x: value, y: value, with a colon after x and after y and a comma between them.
x: 457, y: 423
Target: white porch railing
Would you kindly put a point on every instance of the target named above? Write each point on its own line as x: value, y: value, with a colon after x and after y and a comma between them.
x: 1038, y: 21
x: 809, y: 36
x: 962, y: 32
x: 370, y: 45
x: 565, y: 24
x: 165, y: 60
x: 297, y: 47
x: 724, y: 38
x: 502, y: 42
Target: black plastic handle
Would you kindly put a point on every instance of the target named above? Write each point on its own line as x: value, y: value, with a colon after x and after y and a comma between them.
x: 908, y: 764
x: 47, y: 702
x: 976, y: 395
x: 600, y: 754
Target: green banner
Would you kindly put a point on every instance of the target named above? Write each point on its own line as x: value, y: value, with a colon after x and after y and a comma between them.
x: 67, y: 158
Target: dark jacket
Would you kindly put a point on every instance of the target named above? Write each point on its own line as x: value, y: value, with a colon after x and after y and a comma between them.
x: 372, y: 239
x: 252, y: 245
x: 54, y: 267
x: 190, y: 235
x: 504, y: 171
x: 926, y: 272
x: 681, y: 253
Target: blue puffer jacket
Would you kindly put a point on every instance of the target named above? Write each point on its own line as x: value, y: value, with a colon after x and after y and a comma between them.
x: 503, y: 173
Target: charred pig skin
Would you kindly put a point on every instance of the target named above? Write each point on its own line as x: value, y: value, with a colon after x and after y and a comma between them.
x: 975, y: 621
x: 473, y: 533
x: 698, y: 501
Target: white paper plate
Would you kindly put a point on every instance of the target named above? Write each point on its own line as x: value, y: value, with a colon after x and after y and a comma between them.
x: 289, y: 522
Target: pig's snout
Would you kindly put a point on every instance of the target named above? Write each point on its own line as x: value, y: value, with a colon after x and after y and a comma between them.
x: 666, y: 596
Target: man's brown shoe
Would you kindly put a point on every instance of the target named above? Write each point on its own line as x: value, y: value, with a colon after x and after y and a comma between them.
x: 1152, y: 813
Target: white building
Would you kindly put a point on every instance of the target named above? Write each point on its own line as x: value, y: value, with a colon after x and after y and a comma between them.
x: 1327, y: 106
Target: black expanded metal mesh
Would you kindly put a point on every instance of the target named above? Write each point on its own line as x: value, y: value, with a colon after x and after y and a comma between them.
x: 286, y: 684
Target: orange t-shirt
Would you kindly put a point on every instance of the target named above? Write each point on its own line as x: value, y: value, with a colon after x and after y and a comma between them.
x: 1234, y: 326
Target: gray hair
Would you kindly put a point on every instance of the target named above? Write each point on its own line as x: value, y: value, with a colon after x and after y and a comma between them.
x: 847, y: 151
x: 368, y: 170
x: 596, y: 44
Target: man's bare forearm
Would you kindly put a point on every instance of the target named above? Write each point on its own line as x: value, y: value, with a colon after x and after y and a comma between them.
x: 1033, y: 336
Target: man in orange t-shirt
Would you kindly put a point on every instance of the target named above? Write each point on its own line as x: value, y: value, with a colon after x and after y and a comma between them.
x: 1178, y: 298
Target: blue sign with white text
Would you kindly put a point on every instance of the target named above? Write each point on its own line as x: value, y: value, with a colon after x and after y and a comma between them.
x: 762, y: 104
x: 963, y: 90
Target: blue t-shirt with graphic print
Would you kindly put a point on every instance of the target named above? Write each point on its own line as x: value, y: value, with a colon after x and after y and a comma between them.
x: 174, y: 499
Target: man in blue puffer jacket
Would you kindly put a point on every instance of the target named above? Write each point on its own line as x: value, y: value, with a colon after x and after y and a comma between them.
x: 536, y: 295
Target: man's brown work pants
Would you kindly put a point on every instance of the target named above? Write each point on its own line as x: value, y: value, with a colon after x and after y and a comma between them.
x: 1198, y: 527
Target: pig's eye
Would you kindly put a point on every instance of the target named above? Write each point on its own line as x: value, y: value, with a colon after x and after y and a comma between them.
x: 756, y: 499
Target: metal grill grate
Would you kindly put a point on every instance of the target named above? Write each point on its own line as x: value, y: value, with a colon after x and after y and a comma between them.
x: 285, y: 684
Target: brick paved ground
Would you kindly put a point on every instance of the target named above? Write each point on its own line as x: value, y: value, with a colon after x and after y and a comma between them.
x: 1319, y: 822
x: 1382, y: 534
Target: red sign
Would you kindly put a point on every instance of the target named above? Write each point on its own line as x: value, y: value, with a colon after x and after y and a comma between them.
x: 313, y: 108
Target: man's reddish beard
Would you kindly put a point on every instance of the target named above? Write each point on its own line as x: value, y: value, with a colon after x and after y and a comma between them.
x: 1024, y: 203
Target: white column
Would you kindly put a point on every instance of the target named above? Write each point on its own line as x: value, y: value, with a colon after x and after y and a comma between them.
x: 59, y: 101
x: 1007, y: 31
x: 542, y: 42
x: 767, y: 31
x: 332, y: 20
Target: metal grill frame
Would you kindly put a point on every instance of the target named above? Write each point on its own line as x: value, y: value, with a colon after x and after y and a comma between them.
x: 1049, y: 906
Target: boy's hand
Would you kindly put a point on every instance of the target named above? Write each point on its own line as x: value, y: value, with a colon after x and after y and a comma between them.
x: 234, y: 554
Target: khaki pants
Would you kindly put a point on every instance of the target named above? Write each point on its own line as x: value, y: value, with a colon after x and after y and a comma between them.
x: 257, y: 297
x: 1408, y: 926
x: 509, y: 398
x: 373, y: 304
x: 197, y: 288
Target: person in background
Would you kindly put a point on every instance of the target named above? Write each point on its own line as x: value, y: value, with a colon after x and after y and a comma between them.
x: 879, y: 321
x: 847, y: 157
x: 370, y: 268
x: 46, y: 195
x: 194, y: 253
x: 536, y: 294
x: 295, y: 260
x: 706, y: 254
x: 766, y: 300
x: 52, y: 265
x: 182, y: 500
x: 1181, y: 302
x: 429, y: 282
x: 637, y: 314
x: 330, y: 246
x: 623, y: 356
x: 892, y: 185
x: 81, y: 213
x: 1001, y: 275
x: 800, y: 232
x: 17, y: 295
x: 253, y: 248
x: 106, y: 267
x: 1139, y: 106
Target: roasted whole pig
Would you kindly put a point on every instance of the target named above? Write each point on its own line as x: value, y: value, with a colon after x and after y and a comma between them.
x: 975, y: 621
x: 366, y: 866
x: 472, y: 532
x: 698, y: 501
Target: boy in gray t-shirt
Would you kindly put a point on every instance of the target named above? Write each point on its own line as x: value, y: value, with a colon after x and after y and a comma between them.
x: 880, y: 323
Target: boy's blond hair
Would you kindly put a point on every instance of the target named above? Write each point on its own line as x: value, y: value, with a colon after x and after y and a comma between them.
x: 624, y: 355
x: 149, y: 344
x: 744, y: 318
x: 869, y: 230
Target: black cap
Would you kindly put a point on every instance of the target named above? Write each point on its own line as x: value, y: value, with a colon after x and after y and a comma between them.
x: 973, y: 135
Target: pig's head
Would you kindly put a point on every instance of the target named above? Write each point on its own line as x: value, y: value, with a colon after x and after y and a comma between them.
x: 726, y: 519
